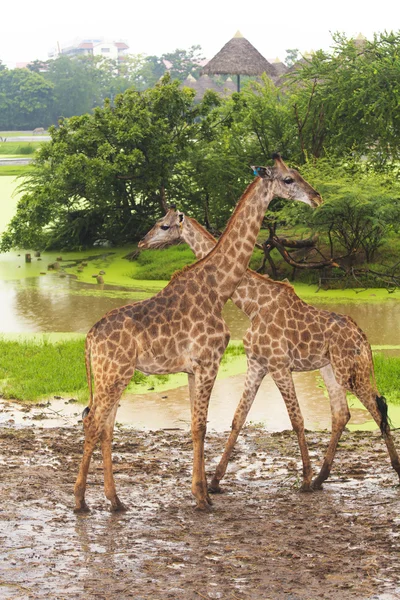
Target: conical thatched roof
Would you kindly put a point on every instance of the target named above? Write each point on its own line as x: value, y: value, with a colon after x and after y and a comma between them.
x: 238, y: 57
x: 279, y: 67
x: 204, y: 83
x: 201, y: 85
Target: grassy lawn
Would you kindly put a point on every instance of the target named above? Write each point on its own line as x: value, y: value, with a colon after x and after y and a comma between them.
x: 40, y: 367
x: 19, y: 148
x: 12, y: 171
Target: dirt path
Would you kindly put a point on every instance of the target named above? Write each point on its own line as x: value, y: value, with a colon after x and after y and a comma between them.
x: 262, y: 540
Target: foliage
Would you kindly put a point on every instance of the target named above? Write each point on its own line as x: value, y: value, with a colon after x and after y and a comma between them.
x: 26, y: 99
x: 347, y: 101
x: 292, y: 56
x: 361, y: 208
x: 184, y: 62
x: 106, y: 176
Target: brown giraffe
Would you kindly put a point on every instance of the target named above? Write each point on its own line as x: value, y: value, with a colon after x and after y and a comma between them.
x: 178, y: 330
x: 286, y: 335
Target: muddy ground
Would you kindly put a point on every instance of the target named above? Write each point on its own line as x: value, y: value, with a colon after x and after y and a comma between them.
x: 262, y: 540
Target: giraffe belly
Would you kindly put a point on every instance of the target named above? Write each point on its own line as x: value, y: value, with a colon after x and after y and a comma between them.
x: 162, y: 365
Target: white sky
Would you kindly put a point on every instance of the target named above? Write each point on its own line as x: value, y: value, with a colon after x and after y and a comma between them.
x: 30, y: 28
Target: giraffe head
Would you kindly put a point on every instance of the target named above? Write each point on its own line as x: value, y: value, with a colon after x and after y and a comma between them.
x: 166, y: 231
x: 288, y: 183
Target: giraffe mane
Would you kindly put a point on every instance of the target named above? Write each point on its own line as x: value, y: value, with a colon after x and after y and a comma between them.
x: 204, y: 232
x: 269, y: 281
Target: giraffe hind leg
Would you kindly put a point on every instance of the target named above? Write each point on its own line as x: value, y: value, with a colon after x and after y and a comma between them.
x: 98, y: 425
x: 340, y: 417
x: 284, y: 382
x: 109, y: 484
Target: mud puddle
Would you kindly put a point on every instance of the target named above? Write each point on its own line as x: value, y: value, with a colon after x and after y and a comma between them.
x: 263, y: 539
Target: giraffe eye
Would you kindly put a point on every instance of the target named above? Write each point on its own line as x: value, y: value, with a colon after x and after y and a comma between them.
x: 164, y: 227
x: 288, y: 180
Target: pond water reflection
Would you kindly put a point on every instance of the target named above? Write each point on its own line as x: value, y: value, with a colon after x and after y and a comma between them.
x: 53, y: 303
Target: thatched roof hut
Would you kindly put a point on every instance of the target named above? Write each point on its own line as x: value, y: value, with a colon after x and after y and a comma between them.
x: 204, y: 83
x: 238, y: 57
x: 280, y: 67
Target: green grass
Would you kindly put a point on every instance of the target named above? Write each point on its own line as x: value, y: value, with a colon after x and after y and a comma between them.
x: 162, y: 264
x: 387, y: 369
x: 19, y: 148
x: 13, y: 170
x: 37, y: 368
x: 15, y: 134
x: 31, y: 371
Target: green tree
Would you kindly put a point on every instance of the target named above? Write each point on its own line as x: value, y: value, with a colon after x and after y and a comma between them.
x: 346, y: 102
x: 361, y: 208
x: 106, y: 175
x: 184, y: 62
x: 79, y: 84
x: 26, y: 99
x: 292, y: 56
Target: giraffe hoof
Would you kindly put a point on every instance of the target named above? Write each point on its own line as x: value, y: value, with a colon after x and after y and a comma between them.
x: 306, y: 487
x: 214, y: 488
x: 118, y: 506
x: 203, y: 506
x: 316, y: 485
x: 83, y: 508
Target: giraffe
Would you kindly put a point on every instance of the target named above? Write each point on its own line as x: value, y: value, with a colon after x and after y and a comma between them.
x: 285, y: 335
x: 181, y: 329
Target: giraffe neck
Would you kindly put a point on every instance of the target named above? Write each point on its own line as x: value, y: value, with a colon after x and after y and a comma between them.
x: 224, y: 267
x: 197, y: 238
x: 201, y: 242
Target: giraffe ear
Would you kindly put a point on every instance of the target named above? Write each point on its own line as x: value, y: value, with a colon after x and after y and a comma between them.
x: 263, y: 172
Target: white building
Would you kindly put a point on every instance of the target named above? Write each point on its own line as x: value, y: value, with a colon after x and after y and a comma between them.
x: 95, y: 47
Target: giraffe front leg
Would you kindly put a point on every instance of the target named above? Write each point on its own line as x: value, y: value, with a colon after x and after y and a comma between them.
x: 200, y: 389
x: 99, y: 424
x: 254, y: 376
x: 284, y: 382
x: 340, y: 417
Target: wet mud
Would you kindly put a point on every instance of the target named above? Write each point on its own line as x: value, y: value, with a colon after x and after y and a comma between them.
x: 263, y: 539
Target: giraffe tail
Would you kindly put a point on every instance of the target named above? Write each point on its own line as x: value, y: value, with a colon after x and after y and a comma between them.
x: 383, y: 411
x: 88, y: 374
